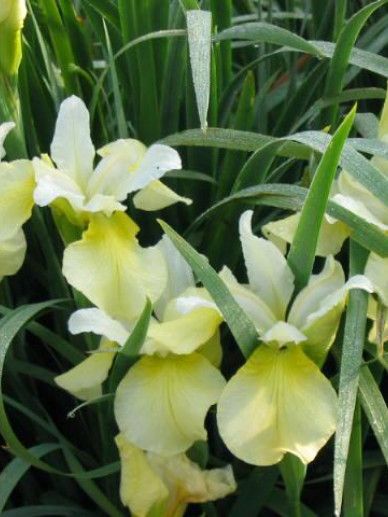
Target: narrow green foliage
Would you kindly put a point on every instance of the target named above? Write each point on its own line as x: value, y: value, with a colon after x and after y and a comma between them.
x: 351, y: 359
x: 302, y: 251
x: 199, y: 40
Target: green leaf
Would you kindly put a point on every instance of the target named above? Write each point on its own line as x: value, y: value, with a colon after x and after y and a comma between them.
x: 293, y: 473
x: 199, y: 26
x: 16, y: 468
x: 353, y: 344
x: 267, y: 33
x: 343, y: 48
x: 302, y: 252
x: 10, y: 325
x: 375, y: 408
x: 254, y: 491
x: 240, y: 325
x: 48, y: 509
x: 130, y: 350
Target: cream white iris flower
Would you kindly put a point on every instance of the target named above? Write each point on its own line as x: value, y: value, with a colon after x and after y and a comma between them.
x: 162, y: 401
x: 127, y: 166
x: 353, y: 196
x: 155, y: 485
x: 279, y: 401
x: 16, y: 187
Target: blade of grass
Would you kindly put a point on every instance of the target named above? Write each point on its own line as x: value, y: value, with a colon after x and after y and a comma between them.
x: 340, y: 59
x: 353, y: 344
x: 129, y: 351
x: 16, y: 468
x: 302, y: 252
x: 375, y: 408
x: 199, y: 39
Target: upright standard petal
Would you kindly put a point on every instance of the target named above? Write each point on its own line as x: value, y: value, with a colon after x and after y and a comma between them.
x: 267, y: 408
x: 161, y: 403
x: 72, y: 148
x: 12, y: 253
x: 5, y: 128
x: 156, y: 196
x: 53, y: 184
x: 376, y: 271
x: 96, y: 321
x: 331, y: 235
x: 110, y: 268
x: 260, y: 314
x: 268, y: 272
x: 84, y: 380
x: 179, y: 274
x: 127, y: 166
x: 16, y: 199
x: 309, y: 300
x: 141, y: 488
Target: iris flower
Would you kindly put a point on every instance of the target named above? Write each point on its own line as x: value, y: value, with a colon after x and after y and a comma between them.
x: 155, y: 485
x: 16, y: 187
x: 12, y: 14
x: 78, y: 189
x: 162, y: 401
x: 353, y: 196
x: 279, y: 401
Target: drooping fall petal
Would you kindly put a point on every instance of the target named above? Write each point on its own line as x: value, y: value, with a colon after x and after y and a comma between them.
x: 278, y: 402
x: 269, y: 275
x: 111, y: 269
x: 161, y: 403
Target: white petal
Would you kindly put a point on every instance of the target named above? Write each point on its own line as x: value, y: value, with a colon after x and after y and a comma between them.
x: 268, y: 272
x: 281, y: 334
x: 128, y: 166
x: 52, y: 184
x: 105, y: 204
x: 72, y: 148
x: 5, y: 128
x: 320, y: 286
x: 179, y: 274
x: 331, y: 236
x: 98, y: 322
x: 161, y: 403
x: 156, y: 196
x: 260, y: 314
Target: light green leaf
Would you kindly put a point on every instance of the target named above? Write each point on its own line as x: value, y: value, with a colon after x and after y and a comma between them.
x: 199, y: 26
x: 302, y: 252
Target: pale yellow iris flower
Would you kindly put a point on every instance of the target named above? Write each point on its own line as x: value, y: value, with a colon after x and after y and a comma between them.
x: 155, y: 485
x: 162, y: 401
x: 12, y: 15
x: 16, y: 187
x: 279, y: 401
x: 353, y: 196
x: 78, y: 189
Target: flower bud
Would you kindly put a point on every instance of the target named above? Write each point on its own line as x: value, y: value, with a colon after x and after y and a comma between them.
x: 12, y: 14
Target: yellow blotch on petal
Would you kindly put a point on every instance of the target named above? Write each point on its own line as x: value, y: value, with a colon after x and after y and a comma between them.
x: 278, y: 402
x: 111, y: 269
